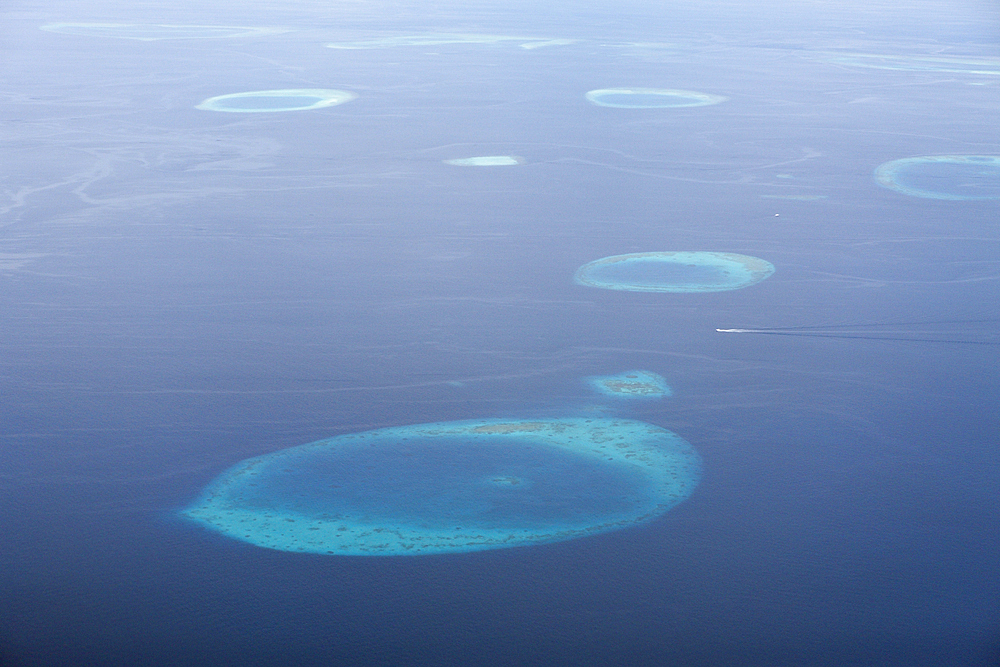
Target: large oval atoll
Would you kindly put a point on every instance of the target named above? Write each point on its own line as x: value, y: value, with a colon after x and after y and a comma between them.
x: 452, y: 487
x: 954, y: 177
x: 291, y: 99
x: 651, y: 98
x: 674, y: 272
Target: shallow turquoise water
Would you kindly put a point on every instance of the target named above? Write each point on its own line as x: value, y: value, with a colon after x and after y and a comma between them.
x: 674, y: 272
x: 951, y: 177
x: 267, y: 102
x: 644, y: 100
x: 965, y: 180
x: 449, y: 482
x: 659, y: 273
x: 631, y: 385
x: 452, y: 486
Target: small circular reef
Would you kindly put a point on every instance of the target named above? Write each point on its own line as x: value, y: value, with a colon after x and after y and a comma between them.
x: 954, y: 177
x: 674, y: 272
x: 291, y: 99
x: 651, y: 98
x: 631, y: 384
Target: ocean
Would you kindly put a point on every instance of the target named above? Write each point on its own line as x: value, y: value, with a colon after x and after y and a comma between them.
x: 187, y: 288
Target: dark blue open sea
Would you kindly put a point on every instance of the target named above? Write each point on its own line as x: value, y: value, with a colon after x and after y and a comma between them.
x: 184, y: 288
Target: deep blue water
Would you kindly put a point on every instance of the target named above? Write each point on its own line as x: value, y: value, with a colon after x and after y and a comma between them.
x: 183, y: 289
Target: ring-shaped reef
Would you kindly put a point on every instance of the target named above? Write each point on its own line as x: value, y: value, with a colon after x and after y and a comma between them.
x: 452, y: 487
x: 487, y: 161
x: 291, y: 99
x: 631, y: 384
x: 674, y: 272
x: 953, y: 177
x: 154, y: 32
x: 651, y: 98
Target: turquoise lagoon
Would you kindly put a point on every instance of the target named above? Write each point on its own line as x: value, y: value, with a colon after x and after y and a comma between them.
x: 954, y: 177
x: 674, y: 272
x: 651, y: 98
x: 452, y: 487
x: 631, y: 384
